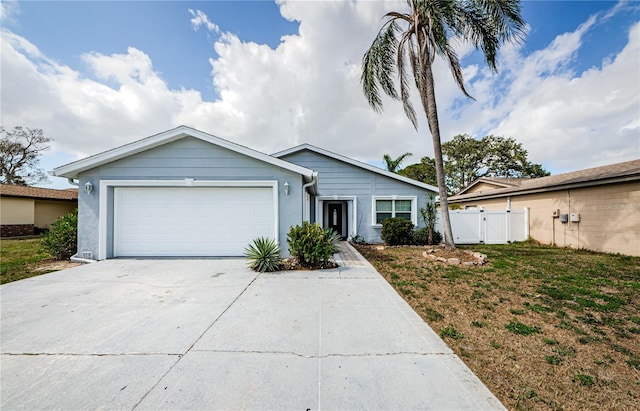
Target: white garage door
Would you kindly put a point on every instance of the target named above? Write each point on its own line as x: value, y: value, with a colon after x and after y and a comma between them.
x: 190, y: 221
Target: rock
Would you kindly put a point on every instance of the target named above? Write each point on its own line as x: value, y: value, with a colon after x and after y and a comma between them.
x: 469, y: 263
x: 379, y: 247
x: 477, y: 255
x: 468, y: 252
x: 432, y: 257
x: 441, y: 259
x: 424, y: 254
x: 453, y: 261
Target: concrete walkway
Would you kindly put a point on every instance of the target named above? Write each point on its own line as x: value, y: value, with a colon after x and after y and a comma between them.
x: 211, y: 334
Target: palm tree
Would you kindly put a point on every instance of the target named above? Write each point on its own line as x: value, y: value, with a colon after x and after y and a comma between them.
x: 393, y: 165
x: 415, y: 38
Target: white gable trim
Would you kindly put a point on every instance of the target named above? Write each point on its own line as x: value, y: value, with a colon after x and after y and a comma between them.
x: 355, y: 163
x: 72, y: 170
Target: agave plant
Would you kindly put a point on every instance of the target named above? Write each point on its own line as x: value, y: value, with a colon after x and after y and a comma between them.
x: 263, y: 255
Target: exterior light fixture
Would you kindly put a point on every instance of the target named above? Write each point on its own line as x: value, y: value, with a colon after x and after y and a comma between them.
x: 286, y: 188
x: 88, y: 187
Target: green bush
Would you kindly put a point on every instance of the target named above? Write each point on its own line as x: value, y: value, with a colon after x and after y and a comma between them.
x: 397, y: 231
x: 421, y: 237
x: 62, y: 240
x: 312, y: 245
x: 263, y: 255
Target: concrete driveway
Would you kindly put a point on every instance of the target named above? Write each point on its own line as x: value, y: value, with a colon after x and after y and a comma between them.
x: 211, y: 334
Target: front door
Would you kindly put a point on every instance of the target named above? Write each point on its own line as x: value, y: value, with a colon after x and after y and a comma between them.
x: 335, y: 217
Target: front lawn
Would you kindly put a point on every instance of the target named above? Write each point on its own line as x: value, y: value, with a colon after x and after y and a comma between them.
x: 542, y: 327
x: 25, y: 258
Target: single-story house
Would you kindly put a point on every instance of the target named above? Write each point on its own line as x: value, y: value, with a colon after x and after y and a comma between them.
x: 27, y: 210
x: 596, y: 209
x: 184, y: 192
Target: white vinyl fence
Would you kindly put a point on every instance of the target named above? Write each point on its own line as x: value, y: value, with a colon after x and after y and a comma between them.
x: 487, y: 226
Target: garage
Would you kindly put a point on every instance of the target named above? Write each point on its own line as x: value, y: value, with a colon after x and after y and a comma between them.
x: 191, y: 221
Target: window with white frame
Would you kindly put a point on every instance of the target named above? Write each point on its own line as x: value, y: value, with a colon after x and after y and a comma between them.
x: 389, y: 207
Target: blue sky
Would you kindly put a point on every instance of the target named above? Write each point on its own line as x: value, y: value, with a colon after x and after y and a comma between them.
x: 270, y: 75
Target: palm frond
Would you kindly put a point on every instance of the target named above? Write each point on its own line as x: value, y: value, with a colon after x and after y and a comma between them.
x: 378, y: 67
x: 405, y: 45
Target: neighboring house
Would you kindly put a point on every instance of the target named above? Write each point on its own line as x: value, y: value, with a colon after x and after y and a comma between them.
x: 597, y: 209
x: 188, y: 193
x: 27, y: 210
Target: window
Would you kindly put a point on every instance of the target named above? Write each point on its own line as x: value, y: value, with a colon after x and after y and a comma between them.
x: 388, y: 207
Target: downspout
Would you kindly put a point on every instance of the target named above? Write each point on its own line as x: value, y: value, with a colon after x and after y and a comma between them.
x: 314, y: 180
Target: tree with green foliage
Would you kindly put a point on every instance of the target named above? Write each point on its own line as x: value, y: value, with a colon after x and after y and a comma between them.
x: 394, y: 163
x: 19, y: 152
x: 424, y: 171
x: 410, y: 41
x: 467, y: 159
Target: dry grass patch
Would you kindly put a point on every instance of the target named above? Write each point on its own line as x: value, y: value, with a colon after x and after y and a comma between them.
x: 543, y: 327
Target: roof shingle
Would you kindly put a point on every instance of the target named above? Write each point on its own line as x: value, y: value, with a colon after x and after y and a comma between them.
x: 591, y: 176
x: 7, y: 190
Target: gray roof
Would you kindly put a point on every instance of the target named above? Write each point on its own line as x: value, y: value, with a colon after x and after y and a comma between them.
x: 356, y: 163
x: 72, y: 170
x: 614, y: 173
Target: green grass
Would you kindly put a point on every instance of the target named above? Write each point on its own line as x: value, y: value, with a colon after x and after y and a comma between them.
x: 519, y: 328
x: 587, y: 302
x: 451, y: 332
x: 584, y: 379
x: 19, y: 258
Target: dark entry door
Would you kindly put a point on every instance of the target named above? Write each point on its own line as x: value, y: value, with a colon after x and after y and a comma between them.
x: 335, y: 217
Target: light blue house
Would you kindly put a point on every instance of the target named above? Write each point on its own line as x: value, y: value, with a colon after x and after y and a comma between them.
x: 188, y: 193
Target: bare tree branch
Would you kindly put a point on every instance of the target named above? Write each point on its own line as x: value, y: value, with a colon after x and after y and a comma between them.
x: 19, y: 152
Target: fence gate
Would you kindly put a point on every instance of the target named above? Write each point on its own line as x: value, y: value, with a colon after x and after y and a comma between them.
x: 488, y: 226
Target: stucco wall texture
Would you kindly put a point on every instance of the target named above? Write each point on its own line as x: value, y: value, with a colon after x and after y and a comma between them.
x: 609, y: 216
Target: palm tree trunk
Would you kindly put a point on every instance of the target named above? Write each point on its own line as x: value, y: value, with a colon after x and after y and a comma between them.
x: 428, y: 98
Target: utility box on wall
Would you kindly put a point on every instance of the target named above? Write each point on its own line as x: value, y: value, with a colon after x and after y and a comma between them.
x: 564, y: 218
x: 575, y: 217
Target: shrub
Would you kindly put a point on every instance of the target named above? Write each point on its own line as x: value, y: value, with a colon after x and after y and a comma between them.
x: 421, y: 237
x: 312, y: 245
x: 62, y: 239
x: 397, y: 231
x: 263, y: 255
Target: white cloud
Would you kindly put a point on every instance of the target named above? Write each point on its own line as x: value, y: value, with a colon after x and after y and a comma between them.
x: 570, y: 121
x: 308, y: 90
x: 9, y: 10
x: 201, y: 19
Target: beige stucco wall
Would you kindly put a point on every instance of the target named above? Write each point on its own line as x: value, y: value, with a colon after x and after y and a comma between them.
x: 16, y: 210
x: 609, y: 217
x: 483, y: 187
x: 46, y: 212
